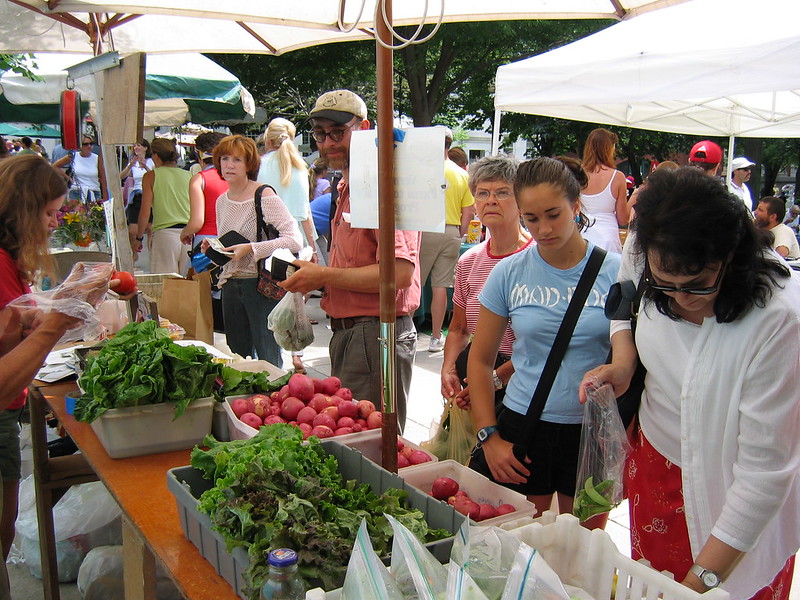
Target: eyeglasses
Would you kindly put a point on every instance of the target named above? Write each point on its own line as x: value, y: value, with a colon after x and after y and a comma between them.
x: 695, y: 291
x: 500, y: 195
x: 86, y: 144
x: 336, y: 135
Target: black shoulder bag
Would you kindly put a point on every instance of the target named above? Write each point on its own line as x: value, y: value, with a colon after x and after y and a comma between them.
x: 553, y: 362
x: 267, y: 286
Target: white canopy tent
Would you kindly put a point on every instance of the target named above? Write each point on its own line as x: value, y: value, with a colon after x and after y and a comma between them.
x: 708, y: 67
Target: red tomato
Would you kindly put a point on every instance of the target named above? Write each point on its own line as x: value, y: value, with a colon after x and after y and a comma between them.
x: 127, y: 282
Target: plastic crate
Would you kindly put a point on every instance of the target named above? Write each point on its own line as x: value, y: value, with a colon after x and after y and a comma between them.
x: 478, y: 487
x: 187, y: 484
x: 149, y: 429
x: 590, y: 560
x: 369, y: 444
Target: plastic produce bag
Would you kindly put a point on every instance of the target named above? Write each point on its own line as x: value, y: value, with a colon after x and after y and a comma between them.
x: 78, y: 296
x: 454, y: 435
x: 101, y: 577
x: 290, y: 324
x: 367, y: 578
x: 603, y: 450
x: 414, y: 568
x: 532, y: 578
x: 483, y: 555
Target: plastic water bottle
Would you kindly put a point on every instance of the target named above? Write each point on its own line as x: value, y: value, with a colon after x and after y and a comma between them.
x: 283, y: 582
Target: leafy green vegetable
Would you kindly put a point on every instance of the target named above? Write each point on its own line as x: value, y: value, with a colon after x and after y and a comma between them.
x: 238, y: 383
x: 273, y: 491
x: 590, y: 499
x: 142, y: 365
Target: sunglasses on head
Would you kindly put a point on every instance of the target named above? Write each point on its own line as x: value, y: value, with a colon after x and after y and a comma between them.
x: 696, y: 291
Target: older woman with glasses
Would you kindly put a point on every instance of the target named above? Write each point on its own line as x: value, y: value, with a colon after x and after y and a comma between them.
x: 492, y: 184
x: 712, y: 480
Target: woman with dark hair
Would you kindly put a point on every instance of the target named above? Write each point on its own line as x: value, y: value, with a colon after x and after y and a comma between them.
x: 140, y: 163
x: 717, y: 447
x: 605, y: 198
x: 244, y: 309
x: 165, y: 192
x: 532, y: 290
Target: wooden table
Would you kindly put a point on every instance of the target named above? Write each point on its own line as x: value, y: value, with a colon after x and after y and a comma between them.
x: 150, y: 517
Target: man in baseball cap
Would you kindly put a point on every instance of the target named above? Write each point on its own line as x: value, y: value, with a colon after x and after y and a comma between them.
x: 741, y: 169
x: 707, y: 156
x: 352, y: 279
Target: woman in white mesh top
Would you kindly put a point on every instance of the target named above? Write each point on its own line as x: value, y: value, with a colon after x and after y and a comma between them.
x: 244, y: 309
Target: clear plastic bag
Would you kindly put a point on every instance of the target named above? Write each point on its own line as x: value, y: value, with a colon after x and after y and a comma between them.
x: 290, y: 324
x: 603, y: 450
x: 485, y: 555
x: 532, y: 578
x: 414, y: 568
x: 453, y: 436
x: 367, y: 577
x: 100, y: 577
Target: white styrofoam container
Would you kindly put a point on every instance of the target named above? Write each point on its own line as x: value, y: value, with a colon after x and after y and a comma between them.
x: 590, y: 560
x: 369, y: 444
x: 139, y: 430
x: 481, y: 489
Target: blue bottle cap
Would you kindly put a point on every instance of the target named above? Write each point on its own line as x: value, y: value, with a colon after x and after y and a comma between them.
x: 282, y: 557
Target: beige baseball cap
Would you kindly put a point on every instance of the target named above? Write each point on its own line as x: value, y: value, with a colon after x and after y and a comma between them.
x: 339, y: 106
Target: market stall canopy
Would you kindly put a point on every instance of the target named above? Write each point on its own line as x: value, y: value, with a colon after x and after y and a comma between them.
x: 246, y: 26
x: 707, y: 67
x: 178, y: 88
x: 32, y: 131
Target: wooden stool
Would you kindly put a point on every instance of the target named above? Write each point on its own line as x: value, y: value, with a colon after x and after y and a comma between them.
x: 52, y: 478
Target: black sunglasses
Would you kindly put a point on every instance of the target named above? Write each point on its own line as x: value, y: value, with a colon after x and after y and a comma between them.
x: 696, y: 291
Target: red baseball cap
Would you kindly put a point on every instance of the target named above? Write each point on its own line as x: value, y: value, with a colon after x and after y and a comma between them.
x: 706, y: 152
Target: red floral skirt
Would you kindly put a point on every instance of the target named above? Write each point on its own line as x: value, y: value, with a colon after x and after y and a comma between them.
x: 658, y: 520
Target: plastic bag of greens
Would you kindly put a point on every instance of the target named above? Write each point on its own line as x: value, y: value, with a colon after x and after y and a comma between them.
x: 483, y: 555
x: 453, y: 435
x: 367, y: 578
x: 290, y: 324
x: 532, y: 578
x: 414, y: 568
x: 603, y: 450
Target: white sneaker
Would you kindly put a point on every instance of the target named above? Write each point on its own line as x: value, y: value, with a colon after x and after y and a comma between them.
x: 436, y: 345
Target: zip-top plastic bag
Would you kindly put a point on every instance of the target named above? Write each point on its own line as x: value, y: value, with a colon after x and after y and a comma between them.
x: 367, y: 578
x: 604, y: 448
x: 531, y: 578
x: 414, y: 568
x: 483, y: 555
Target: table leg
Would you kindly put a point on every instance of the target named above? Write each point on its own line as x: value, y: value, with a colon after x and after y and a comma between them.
x: 139, y: 564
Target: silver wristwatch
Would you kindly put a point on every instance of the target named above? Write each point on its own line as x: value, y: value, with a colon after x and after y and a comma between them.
x: 498, y: 383
x: 709, y: 578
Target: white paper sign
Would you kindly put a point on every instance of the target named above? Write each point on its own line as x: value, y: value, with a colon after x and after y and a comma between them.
x: 419, y: 180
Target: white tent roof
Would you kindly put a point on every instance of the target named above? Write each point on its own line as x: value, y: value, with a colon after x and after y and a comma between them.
x: 707, y: 67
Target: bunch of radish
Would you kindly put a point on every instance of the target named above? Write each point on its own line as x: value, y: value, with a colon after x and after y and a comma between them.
x: 445, y: 488
x: 319, y: 407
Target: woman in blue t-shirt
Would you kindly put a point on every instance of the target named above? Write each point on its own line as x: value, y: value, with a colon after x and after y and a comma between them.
x: 532, y: 289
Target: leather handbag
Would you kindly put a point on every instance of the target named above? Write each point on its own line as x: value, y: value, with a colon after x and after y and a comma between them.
x: 267, y: 285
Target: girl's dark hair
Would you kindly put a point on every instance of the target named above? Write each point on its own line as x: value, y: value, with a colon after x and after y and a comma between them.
x: 562, y: 172
x: 690, y: 221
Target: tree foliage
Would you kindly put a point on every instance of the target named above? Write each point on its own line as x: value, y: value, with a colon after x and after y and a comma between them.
x: 18, y: 63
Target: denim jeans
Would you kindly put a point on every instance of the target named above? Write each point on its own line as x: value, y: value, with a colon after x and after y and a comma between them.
x: 245, y: 312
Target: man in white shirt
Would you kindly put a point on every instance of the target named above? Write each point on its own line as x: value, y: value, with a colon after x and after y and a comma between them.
x: 769, y: 215
x: 741, y: 169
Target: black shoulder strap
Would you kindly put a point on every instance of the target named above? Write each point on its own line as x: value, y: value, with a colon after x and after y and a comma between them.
x: 561, y: 342
x: 260, y: 225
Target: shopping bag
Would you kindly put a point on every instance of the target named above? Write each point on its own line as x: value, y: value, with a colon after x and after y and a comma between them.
x: 187, y: 302
x: 604, y: 448
x: 454, y: 435
x: 289, y: 323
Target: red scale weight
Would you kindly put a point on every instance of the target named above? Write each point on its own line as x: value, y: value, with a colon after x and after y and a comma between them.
x: 70, y: 120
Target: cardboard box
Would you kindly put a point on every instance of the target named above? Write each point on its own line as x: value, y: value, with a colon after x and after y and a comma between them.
x: 150, y: 429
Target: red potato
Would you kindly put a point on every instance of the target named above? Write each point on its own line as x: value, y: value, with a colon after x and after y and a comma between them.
x: 504, y: 509
x: 323, y: 419
x: 466, y: 506
x: 452, y: 500
x: 347, y: 408
x: 400, y: 443
x: 306, y: 415
x: 274, y: 411
x: 291, y: 407
x: 251, y: 419
x: 362, y: 422
x: 317, y: 384
x: 345, y: 422
x: 319, y: 402
x: 273, y: 419
x: 274, y: 396
x: 335, y: 400
x: 343, y: 431
x: 375, y: 420
x: 259, y: 404
x: 305, y: 428
x: 365, y: 408
x: 406, y: 451
x: 333, y: 412
x: 418, y: 457
x: 443, y: 488
x: 283, y: 393
x: 293, y: 423
x: 239, y: 407
x: 402, y: 461
x: 487, y: 511
x: 331, y: 385
x: 322, y: 431
x: 301, y: 386
x: 357, y: 428
x: 345, y: 393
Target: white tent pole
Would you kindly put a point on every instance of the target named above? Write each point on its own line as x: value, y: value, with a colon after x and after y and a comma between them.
x: 731, y: 146
x: 496, y: 132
